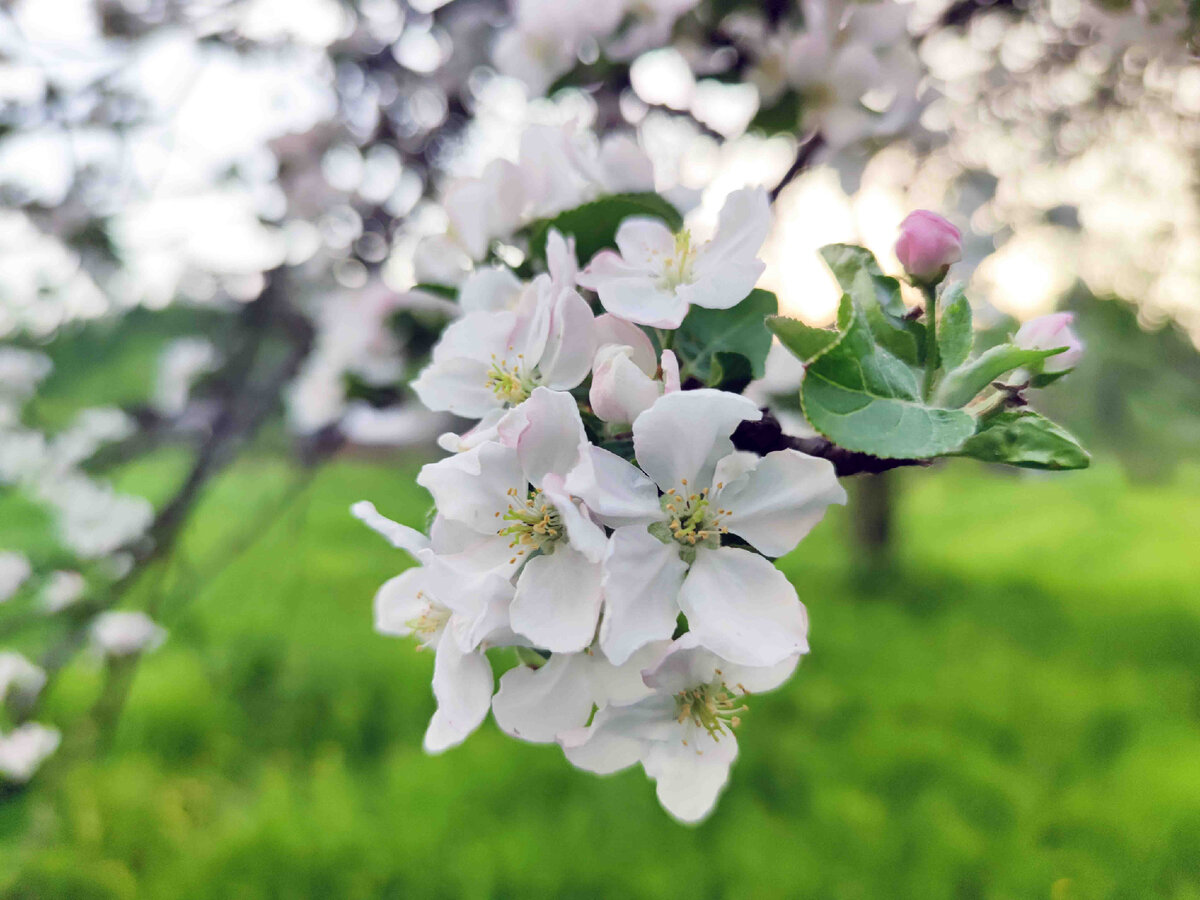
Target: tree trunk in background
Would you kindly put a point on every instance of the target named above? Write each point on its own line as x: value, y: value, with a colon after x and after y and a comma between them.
x: 872, y: 508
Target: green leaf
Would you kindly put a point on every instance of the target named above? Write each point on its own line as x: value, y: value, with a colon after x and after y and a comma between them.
x: 863, y: 398
x: 1021, y: 437
x: 961, y: 386
x: 707, y: 334
x: 594, y: 225
x: 730, y: 372
x: 878, y: 297
x: 804, y: 341
x: 445, y: 291
x: 955, y: 328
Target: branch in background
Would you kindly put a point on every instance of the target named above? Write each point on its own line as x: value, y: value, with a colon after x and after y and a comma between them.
x: 766, y: 435
x: 804, y: 156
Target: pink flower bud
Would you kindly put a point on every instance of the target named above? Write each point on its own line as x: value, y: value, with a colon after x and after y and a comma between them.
x: 1049, y: 332
x: 928, y: 245
x: 620, y: 389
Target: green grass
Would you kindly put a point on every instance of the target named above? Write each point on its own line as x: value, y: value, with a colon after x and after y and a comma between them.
x: 1016, y: 714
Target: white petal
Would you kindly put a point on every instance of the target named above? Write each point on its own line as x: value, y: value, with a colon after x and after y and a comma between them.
x: 476, y: 336
x: 570, y: 344
x: 472, y: 487
x: 462, y: 684
x: 690, y: 777
x: 687, y: 663
x: 679, y: 440
x: 558, y: 601
x: 400, y: 536
x: 552, y: 435
x: 620, y: 685
x: 777, y: 503
x: 489, y: 290
x: 670, y: 372
x: 642, y: 578
x: 456, y: 385
x: 645, y: 243
x: 742, y: 227
x: 397, y: 603
x: 618, y: 735
x: 631, y: 293
x: 721, y: 284
x: 561, y: 260
x: 585, y: 535
x: 742, y: 608
x: 540, y: 704
x: 612, y: 330
x: 616, y: 491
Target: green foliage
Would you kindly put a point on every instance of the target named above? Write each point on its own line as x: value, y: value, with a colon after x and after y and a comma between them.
x: 1012, y: 712
x: 863, y: 398
x: 962, y: 385
x: 877, y: 297
x: 1021, y: 437
x: 709, y: 341
x: 804, y: 341
x: 955, y: 326
x: 594, y: 225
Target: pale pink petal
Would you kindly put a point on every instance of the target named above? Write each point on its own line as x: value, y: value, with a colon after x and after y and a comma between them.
x: 570, y: 342
x: 462, y: 684
x: 680, y: 438
x: 473, y: 487
x: 780, y: 500
x: 552, y: 435
x: 610, y: 329
x: 642, y: 578
x: 645, y: 243
x: 540, y: 704
x: 742, y: 608
x: 558, y: 601
x: 615, y: 491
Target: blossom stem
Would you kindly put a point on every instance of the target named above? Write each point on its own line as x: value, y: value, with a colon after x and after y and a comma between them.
x: 931, y: 337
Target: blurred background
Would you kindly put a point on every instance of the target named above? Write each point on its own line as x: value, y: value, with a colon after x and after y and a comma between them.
x: 223, y: 255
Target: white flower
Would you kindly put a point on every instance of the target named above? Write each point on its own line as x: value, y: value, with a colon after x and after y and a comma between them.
x: 453, y: 602
x: 624, y: 382
x: 123, y: 633
x: 510, y: 495
x: 683, y: 734
x: 658, y: 275
x: 19, y: 677
x: 14, y: 569
x: 539, y: 704
x: 665, y: 554
x: 483, y: 209
x: 24, y: 749
x: 181, y: 364
x: 62, y: 589
x: 488, y: 360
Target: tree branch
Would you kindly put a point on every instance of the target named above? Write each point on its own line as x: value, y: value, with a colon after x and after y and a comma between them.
x: 767, y: 435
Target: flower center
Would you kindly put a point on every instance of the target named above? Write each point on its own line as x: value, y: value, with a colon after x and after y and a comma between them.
x: 534, y: 522
x: 512, y: 383
x: 430, y: 622
x: 694, y: 520
x: 711, y: 706
x: 678, y: 269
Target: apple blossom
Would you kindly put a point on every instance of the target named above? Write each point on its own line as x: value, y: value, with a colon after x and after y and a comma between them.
x: 666, y: 555
x: 124, y: 633
x: 19, y: 677
x: 14, y: 569
x: 511, y: 495
x: 1051, y: 332
x: 489, y: 360
x: 657, y: 276
x: 624, y: 382
x: 24, y: 749
x: 928, y: 246
x: 539, y: 704
x: 683, y: 733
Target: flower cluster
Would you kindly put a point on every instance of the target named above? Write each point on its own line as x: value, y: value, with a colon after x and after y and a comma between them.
x: 598, y: 517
